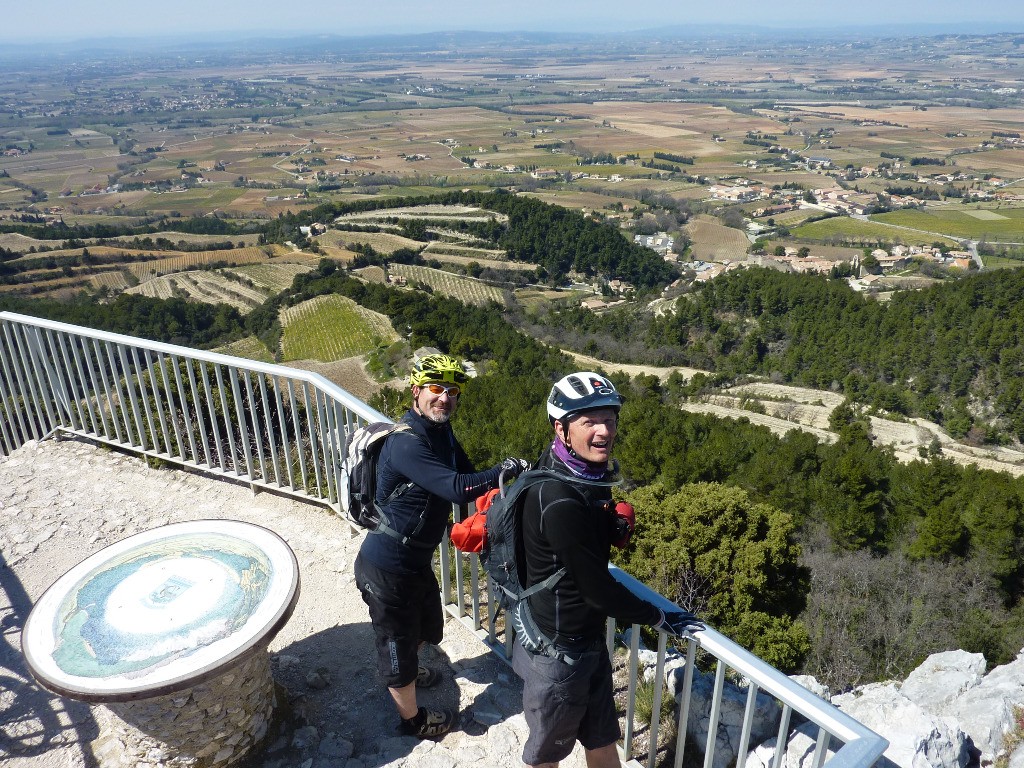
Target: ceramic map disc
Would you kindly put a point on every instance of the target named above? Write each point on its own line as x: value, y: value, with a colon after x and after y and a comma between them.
x: 161, y: 611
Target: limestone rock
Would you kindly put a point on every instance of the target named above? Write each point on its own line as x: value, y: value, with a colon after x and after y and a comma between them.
x: 942, y: 678
x: 986, y: 711
x: 917, y: 739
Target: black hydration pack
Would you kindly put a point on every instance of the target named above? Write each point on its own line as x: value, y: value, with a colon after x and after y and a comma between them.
x: 504, y: 560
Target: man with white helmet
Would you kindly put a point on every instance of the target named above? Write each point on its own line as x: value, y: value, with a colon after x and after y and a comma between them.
x: 421, y: 472
x: 572, y: 524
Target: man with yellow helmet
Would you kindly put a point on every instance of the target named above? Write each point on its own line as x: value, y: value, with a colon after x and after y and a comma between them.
x: 421, y: 472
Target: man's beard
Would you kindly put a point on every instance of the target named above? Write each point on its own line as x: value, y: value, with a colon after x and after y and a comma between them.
x: 439, y: 418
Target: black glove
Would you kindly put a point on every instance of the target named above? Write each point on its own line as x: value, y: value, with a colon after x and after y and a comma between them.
x: 513, y: 467
x: 676, y: 621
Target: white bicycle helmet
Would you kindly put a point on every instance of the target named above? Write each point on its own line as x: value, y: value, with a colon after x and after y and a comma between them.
x: 582, y: 391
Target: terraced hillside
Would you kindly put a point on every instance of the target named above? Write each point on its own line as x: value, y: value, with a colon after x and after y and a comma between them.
x: 202, y: 285
x: 464, y: 289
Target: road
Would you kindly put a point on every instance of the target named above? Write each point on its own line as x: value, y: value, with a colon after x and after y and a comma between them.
x: 970, y: 245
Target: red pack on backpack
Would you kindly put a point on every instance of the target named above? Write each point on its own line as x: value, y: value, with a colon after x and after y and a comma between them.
x: 468, y: 535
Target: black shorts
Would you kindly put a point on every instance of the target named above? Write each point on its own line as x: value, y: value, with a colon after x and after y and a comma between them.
x: 566, y: 703
x: 405, y: 610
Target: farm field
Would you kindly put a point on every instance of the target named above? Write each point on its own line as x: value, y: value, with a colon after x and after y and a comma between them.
x: 115, y: 269
x: 114, y: 281
x: 371, y: 274
x: 382, y: 242
x: 273, y: 277
x: 179, y: 261
x: 332, y: 327
x: 995, y: 225
x: 788, y: 408
x: 250, y: 348
x: 192, y: 201
x: 349, y: 374
x: 713, y: 241
x: 792, y: 218
x: 191, y: 239
x: 436, y: 248
x: 845, y: 229
x: 463, y: 260
x: 438, y: 213
x: 1000, y: 262
x: 462, y: 288
x: 585, y: 200
x: 331, y: 129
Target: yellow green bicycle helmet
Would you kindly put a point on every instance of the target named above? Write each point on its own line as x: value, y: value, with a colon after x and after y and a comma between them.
x: 442, y: 368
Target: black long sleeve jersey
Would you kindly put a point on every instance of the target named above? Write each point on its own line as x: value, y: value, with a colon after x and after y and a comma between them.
x: 431, y: 458
x: 564, y: 525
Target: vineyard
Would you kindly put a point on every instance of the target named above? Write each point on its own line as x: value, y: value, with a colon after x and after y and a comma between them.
x: 425, y: 213
x: 715, y: 242
x: 331, y: 328
x: 464, y: 289
x: 189, y: 238
x: 14, y: 241
x: 382, y: 242
x: 273, y: 277
x: 114, y: 281
x: 371, y: 274
x: 437, y: 247
x: 460, y: 254
x: 105, y: 253
x: 180, y: 262
x: 201, y: 285
x: 250, y: 348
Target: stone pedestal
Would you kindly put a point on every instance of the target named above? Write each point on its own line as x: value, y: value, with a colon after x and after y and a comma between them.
x: 211, y: 725
x: 166, y: 634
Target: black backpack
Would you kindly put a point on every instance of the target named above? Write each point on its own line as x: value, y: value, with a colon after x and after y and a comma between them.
x: 357, y: 481
x: 503, y: 558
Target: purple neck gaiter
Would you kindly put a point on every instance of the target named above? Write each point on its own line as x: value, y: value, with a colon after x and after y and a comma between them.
x: 576, y: 465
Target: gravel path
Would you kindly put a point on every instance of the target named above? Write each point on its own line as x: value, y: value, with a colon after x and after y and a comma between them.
x: 62, y: 501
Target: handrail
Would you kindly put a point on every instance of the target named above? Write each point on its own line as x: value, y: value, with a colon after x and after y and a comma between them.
x: 283, y: 428
x: 862, y: 746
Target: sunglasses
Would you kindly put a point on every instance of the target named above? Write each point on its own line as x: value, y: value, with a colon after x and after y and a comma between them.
x: 452, y: 390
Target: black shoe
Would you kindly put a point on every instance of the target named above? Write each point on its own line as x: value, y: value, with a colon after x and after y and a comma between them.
x: 427, y: 677
x: 428, y: 723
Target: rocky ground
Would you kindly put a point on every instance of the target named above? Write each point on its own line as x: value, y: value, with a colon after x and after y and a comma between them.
x: 62, y: 501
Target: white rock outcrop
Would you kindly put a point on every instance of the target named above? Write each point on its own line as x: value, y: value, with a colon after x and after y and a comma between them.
x: 987, y: 712
x: 917, y: 739
x: 947, y: 714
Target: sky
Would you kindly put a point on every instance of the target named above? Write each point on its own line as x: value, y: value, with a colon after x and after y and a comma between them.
x: 30, y: 21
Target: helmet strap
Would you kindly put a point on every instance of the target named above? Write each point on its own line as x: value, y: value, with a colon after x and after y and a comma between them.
x: 566, y: 441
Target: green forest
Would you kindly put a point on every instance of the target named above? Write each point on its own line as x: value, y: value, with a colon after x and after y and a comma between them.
x: 952, y: 353
x: 833, y: 559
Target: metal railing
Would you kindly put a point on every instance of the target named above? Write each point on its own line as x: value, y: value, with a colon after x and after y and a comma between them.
x: 281, y: 428
x: 268, y: 425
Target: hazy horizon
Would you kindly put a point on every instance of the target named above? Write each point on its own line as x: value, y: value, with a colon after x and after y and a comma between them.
x: 62, y: 20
